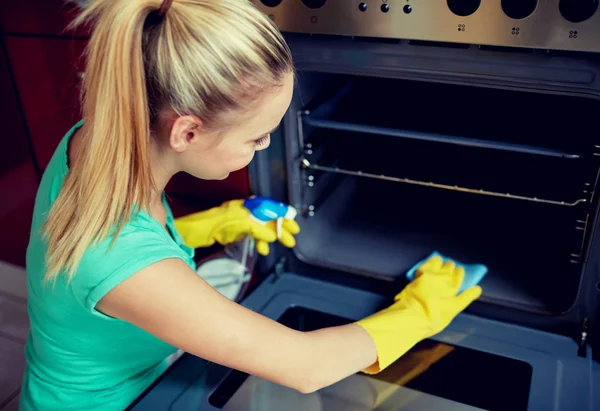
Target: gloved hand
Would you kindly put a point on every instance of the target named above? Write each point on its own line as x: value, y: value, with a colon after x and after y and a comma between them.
x: 229, y: 223
x: 424, y: 308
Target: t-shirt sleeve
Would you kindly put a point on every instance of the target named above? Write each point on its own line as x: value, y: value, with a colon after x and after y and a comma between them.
x: 105, y: 266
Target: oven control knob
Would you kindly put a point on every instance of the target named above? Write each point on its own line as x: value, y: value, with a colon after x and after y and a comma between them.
x: 271, y: 3
x: 519, y: 9
x: 463, y: 7
x: 314, y: 4
x: 577, y: 11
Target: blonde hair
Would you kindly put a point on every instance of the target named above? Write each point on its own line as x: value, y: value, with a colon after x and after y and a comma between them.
x: 202, y: 58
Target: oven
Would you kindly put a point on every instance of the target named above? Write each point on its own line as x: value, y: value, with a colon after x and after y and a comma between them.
x: 466, y: 127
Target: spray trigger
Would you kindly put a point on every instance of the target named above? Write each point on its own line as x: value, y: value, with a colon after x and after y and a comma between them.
x: 279, y: 227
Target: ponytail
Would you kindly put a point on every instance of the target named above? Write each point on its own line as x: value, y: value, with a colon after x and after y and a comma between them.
x: 202, y: 58
x: 113, y: 173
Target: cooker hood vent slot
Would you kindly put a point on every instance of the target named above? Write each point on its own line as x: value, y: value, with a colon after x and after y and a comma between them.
x: 427, y: 43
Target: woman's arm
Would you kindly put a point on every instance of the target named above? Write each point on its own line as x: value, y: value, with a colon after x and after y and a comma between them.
x: 169, y: 300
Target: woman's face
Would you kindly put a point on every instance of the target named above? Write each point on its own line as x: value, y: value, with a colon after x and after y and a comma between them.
x: 214, y: 156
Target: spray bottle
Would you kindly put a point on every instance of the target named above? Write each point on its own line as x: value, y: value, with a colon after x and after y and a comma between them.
x: 263, y: 210
x: 230, y: 273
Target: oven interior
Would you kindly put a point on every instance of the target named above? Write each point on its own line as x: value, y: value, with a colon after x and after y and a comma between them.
x: 385, y: 171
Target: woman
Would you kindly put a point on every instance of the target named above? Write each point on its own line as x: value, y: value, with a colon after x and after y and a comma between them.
x: 190, y: 86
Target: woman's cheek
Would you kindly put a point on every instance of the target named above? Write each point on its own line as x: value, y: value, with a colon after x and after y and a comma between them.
x: 242, y: 160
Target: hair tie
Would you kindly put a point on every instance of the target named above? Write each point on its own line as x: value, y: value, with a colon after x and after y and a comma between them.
x: 164, y: 7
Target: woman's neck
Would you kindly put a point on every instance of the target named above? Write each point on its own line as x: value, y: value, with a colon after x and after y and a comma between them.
x: 163, y: 170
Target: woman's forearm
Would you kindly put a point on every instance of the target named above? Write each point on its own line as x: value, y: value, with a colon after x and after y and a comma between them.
x: 173, y: 303
x: 309, y: 361
x: 304, y: 361
x: 336, y: 354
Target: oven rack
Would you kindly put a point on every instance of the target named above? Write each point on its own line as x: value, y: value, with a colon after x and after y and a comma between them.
x: 306, y: 164
x: 342, y: 110
x: 437, y: 138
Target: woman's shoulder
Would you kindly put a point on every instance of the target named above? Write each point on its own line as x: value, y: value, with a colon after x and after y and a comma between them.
x: 138, y: 239
x: 106, y: 264
x: 58, y: 165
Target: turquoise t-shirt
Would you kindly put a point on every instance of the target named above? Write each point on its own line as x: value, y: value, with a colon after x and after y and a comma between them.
x: 77, y: 358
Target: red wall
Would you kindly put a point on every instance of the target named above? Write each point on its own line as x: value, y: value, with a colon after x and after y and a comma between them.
x: 18, y: 179
x: 39, y: 77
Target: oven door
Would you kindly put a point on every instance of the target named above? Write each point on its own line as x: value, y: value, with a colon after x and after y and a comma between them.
x: 475, y: 364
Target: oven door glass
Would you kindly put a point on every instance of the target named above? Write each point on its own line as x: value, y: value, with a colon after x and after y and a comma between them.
x: 432, y: 376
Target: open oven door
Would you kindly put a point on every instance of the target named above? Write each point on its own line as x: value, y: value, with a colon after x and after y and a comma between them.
x: 475, y: 364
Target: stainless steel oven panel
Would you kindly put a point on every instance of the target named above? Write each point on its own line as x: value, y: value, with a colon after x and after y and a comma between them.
x: 545, y: 28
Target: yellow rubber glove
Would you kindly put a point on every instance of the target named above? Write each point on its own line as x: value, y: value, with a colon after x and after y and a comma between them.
x: 230, y: 222
x: 424, y: 308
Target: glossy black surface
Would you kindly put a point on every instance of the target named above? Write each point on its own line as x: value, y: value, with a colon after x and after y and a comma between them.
x: 271, y: 3
x: 577, y: 11
x: 314, y: 4
x: 519, y: 9
x: 458, y: 374
x: 463, y: 7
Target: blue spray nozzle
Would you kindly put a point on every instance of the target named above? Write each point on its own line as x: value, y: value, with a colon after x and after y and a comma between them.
x: 266, y: 209
x: 262, y: 209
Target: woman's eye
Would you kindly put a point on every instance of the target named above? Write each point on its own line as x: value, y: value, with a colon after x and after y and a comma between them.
x: 261, y: 140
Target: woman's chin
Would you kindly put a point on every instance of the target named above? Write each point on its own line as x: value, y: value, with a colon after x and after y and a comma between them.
x: 210, y: 177
x: 222, y: 177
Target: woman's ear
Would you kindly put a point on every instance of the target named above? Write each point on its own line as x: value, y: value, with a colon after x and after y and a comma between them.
x: 184, y: 132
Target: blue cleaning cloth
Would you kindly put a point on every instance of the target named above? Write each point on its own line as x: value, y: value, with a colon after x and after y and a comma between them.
x: 474, y: 273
